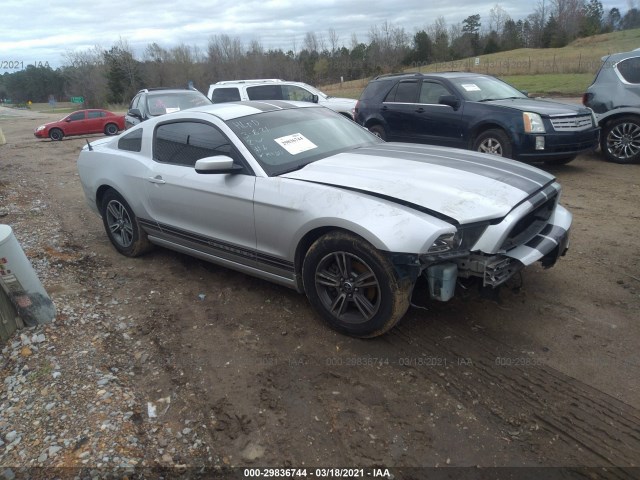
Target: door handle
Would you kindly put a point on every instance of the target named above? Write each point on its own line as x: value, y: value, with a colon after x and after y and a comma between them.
x: 157, y: 179
x: 420, y: 110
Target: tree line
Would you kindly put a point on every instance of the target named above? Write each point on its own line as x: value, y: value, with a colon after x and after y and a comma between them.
x: 114, y: 75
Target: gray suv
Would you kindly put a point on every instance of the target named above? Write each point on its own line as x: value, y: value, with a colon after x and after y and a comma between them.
x: 614, y: 96
x: 151, y: 102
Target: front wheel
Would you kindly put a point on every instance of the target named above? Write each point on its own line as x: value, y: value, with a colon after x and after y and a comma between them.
x: 494, y: 142
x: 122, y: 226
x: 111, y: 129
x: 620, y: 140
x: 353, y: 286
x: 56, y: 134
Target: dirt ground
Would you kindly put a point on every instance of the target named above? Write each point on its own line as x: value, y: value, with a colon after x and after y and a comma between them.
x: 545, y: 374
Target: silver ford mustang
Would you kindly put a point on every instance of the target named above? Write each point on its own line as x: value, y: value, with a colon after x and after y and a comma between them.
x: 299, y: 195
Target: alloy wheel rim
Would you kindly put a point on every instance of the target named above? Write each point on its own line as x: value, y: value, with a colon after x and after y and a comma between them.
x: 624, y: 140
x: 348, y: 287
x: 119, y: 223
x: 490, y: 146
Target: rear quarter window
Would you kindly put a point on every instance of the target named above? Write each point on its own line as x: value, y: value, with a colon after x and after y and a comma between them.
x: 227, y: 94
x: 132, y: 141
x: 376, y: 90
x: 629, y: 69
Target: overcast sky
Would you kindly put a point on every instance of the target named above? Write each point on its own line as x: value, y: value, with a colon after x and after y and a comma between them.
x: 38, y: 32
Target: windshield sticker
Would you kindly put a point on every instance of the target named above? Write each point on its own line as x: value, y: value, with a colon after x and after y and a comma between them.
x: 471, y: 87
x: 172, y: 109
x: 295, y: 144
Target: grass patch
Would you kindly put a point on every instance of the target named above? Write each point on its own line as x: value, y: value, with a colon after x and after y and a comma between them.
x: 566, y: 71
x: 559, y: 84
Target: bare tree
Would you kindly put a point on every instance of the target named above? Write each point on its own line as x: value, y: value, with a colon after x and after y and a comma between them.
x: 84, y: 73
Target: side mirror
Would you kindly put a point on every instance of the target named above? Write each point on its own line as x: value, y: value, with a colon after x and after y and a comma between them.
x: 314, y: 98
x: 134, y: 112
x: 217, y: 164
x: 526, y: 93
x: 450, y: 100
x: 68, y: 119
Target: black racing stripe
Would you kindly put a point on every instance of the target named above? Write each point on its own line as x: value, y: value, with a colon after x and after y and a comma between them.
x: 226, y: 247
x: 472, y: 165
x: 553, y: 231
x: 268, y: 105
x: 489, y: 160
x: 542, y: 244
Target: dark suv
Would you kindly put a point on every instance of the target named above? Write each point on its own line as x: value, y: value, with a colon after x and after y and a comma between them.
x: 478, y: 112
x: 152, y: 102
x: 615, y: 97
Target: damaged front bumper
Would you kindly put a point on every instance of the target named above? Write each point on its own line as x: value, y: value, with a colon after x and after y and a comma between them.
x: 546, y: 247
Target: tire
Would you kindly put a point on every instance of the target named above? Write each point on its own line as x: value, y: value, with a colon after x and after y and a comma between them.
x: 494, y: 142
x: 122, y: 226
x: 378, y: 131
x: 560, y: 161
x: 56, y: 134
x: 111, y: 129
x: 620, y: 140
x: 353, y: 286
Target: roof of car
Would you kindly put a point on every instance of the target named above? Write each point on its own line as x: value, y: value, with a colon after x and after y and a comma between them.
x: 431, y: 75
x: 614, y: 57
x: 231, y: 110
x: 161, y: 90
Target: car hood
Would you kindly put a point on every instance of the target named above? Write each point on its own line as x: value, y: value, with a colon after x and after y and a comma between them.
x: 543, y: 107
x: 461, y: 185
x: 347, y: 102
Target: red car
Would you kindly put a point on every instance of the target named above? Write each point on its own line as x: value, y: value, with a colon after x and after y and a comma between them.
x: 82, y: 122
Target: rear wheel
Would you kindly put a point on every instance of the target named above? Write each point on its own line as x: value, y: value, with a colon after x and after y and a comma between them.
x: 353, y: 286
x: 111, y: 129
x: 378, y: 131
x: 56, y: 134
x: 620, y: 140
x: 494, y: 142
x: 122, y: 226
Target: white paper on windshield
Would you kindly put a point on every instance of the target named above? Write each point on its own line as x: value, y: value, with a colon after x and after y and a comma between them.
x: 471, y: 87
x: 296, y: 143
x: 172, y: 109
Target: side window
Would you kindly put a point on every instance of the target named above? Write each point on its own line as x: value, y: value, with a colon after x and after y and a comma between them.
x: 95, y: 114
x: 403, y: 92
x: 265, y: 92
x: 293, y: 92
x: 430, y: 92
x: 227, y: 94
x: 132, y: 141
x: 629, y: 69
x: 183, y: 143
x: 76, y: 116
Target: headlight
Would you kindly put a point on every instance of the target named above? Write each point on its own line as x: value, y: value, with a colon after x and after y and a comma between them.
x: 532, y: 123
x: 463, y: 239
x: 445, y: 243
x: 41, y: 127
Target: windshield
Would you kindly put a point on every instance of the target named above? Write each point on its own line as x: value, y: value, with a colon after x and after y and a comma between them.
x: 482, y: 89
x: 286, y: 140
x: 159, y: 104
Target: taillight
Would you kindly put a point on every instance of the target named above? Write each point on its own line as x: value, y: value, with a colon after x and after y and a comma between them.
x: 586, y: 98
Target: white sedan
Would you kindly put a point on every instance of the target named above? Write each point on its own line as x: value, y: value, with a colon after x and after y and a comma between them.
x: 299, y: 195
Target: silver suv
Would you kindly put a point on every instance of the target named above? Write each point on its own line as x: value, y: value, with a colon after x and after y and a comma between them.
x: 276, y: 89
x: 614, y: 96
